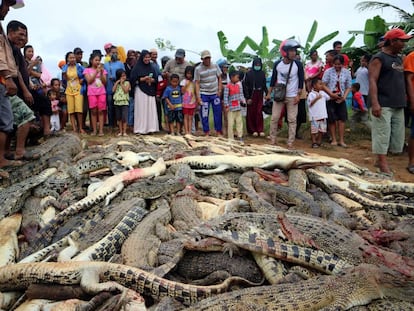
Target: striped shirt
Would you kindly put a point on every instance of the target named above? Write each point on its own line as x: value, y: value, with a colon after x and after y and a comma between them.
x: 208, y: 77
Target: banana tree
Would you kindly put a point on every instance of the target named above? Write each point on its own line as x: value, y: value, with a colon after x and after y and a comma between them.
x: 233, y: 56
x: 309, y: 45
x: 262, y: 49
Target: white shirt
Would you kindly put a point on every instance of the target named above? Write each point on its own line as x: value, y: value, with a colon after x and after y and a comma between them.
x: 318, y: 110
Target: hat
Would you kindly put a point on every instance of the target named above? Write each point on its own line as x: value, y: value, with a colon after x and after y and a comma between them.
x: 180, y: 53
x: 19, y: 4
x: 107, y: 46
x: 396, y: 33
x: 205, y: 54
x: 61, y: 63
x: 77, y: 51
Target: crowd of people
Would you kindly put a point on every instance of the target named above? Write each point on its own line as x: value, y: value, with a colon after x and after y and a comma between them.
x: 134, y: 93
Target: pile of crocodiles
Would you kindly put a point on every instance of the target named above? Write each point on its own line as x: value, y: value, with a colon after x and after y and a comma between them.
x: 173, y: 223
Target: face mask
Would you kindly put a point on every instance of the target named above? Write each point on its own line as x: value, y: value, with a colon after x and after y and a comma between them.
x: 257, y: 68
x: 114, y: 57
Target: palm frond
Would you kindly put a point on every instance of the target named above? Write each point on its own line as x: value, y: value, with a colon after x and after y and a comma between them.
x: 376, y: 5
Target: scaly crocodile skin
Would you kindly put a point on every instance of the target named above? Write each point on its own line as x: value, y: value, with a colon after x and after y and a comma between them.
x: 113, y: 277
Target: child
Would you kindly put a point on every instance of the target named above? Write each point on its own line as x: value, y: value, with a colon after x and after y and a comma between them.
x: 54, y: 118
x: 360, y: 111
x: 63, y: 106
x: 95, y: 76
x: 233, y: 100
x: 121, y: 101
x: 189, y: 98
x: 317, y: 111
x: 173, y: 99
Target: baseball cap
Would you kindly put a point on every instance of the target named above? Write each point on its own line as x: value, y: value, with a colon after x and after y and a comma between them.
x: 61, y: 63
x: 107, y: 46
x: 396, y: 33
x: 77, y: 51
x: 205, y: 54
x: 180, y: 53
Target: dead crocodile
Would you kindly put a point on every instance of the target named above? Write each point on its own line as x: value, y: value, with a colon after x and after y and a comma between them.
x: 12, y: 198
x: 359, y: 286
x: 96, y: 277
x: 214, y: 164
x: 108, y: 190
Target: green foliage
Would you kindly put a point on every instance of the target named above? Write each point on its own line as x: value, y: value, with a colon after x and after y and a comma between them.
x: 163, y: 44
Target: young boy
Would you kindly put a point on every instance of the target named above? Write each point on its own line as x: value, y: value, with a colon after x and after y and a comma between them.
x: 173, y: 99
x: 233, y: 101
x: 317, y: 111
x: 360, y: 111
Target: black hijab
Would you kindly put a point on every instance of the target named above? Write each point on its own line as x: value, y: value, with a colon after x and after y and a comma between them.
x: 255, y: 79
x: 142, y: 70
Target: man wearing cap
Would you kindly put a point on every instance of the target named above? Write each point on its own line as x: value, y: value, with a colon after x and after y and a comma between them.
x: 176, y: 65
x: 207, y: 77
x: 387, y: 98
x: 8, y: 71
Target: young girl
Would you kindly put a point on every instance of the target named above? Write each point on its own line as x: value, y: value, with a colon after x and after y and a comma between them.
x: 189, y: 98
x: 121, y: 100
x: 54, y: 118
x: 95, y: 76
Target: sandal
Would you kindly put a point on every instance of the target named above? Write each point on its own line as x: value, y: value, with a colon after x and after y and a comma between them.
x: 315, y: 145
x: 410, y: 168
x: 343, y: 145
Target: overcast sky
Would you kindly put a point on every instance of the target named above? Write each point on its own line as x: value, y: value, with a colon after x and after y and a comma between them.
x: 57, y: 26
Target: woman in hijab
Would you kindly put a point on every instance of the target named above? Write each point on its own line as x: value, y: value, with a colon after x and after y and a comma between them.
x: 143, y: 77
x: 254, y: 88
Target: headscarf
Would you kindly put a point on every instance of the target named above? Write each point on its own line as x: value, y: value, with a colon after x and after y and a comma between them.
x: 142, y: 70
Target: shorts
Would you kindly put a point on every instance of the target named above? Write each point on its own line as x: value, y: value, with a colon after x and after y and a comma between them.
x: 75, y: 103
x: 189, y: 111
x: 63, y: 107
x: 6, y: 114
x: 121, y: 112
x: 175, y: 115
x: 388, y: 131
x: 336, y: 112
x: 22, y: 114
x: 318, y: 126
x: 41, y: 104
x: 97, y: 101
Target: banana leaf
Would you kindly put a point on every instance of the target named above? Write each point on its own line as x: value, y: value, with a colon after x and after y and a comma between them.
x: 265, y: 41
x: 252, y: 44
x: 311, y: 35
x: 223, y: 43
x: 324, y: 39
x: 348, y: 43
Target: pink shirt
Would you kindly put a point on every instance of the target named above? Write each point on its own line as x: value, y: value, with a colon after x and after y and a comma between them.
x: 96, y: 87
x: 312, y: 68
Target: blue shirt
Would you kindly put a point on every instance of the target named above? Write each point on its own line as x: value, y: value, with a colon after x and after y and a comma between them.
x: 174, y: 95
x: 111, y: 68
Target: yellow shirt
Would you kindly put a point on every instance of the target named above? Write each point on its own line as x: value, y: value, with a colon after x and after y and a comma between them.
x: 73, y: 87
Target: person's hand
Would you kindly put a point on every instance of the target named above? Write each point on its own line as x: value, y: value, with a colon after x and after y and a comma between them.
x: 267, y: 97
x: 11, y: 88
x: 376, y: 110
x: 199, y: 101
x: 296, y: 100
x: 249, y: 102
x: 28, y: 98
